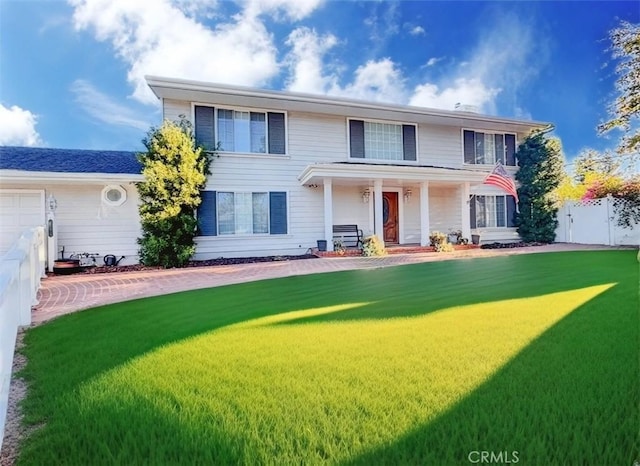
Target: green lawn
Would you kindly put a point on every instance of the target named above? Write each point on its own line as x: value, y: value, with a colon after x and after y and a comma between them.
x: 534, y: 356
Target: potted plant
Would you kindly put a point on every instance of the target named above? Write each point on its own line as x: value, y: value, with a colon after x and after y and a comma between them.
x: 475, y: 238
x: 339, y: 247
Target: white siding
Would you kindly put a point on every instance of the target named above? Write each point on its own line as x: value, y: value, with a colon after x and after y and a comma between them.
x: 444, y: 211
x: 85, y: 224
x: 174, y: 109
x: 440, y: 146
x: 348, y: 208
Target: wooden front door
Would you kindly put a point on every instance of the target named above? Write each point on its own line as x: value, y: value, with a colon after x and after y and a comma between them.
x: 390, y: 217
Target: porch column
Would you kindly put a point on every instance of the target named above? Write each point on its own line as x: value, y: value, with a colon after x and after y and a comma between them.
x: 464, y: 211
x: 425, y: 228
x: 377, y: 206
x: 328, y: 213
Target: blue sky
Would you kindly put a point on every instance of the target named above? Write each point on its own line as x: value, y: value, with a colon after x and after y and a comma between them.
x: 71, y: 73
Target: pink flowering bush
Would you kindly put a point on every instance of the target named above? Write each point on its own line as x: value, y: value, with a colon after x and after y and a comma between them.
x: 626, y: 193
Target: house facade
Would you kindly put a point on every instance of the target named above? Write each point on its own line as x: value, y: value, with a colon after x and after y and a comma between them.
x: 290, y: 166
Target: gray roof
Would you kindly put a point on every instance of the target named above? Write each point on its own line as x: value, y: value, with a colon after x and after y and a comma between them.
x: 38, y: 159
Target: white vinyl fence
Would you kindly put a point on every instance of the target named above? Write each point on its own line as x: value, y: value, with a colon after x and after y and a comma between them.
x: 594, y: 222
x: 21, y: 269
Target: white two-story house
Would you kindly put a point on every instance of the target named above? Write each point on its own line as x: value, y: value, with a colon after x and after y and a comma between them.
x: 292, y: 165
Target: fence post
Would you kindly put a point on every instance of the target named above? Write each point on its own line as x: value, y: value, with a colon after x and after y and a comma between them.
x: 9, y: 301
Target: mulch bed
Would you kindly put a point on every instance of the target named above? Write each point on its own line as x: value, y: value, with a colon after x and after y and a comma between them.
x: 520, y: 244
x: 205, y: 263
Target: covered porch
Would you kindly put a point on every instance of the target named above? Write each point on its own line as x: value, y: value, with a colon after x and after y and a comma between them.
x: 400, y: 204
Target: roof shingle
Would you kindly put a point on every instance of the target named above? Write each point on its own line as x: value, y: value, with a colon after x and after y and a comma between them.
x: 39, y: 159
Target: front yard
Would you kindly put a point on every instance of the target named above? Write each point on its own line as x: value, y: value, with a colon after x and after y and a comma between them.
x: 533, y: 355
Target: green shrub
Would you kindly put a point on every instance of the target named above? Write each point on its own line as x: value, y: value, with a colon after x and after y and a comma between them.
x: 372, y: 246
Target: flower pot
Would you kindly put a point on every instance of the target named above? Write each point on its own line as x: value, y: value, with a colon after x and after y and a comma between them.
x: 475, y: 239
x: 322, y: 245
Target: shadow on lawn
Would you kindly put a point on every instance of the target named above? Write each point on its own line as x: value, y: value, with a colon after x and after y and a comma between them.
x: 101, y: 339
x: 570, y: 397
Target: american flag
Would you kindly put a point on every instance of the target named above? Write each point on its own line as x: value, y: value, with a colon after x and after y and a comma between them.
x: 500, y: 178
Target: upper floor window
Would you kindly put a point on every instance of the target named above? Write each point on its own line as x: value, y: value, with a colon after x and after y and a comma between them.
x: 489, y: 148
x: 382, y: 141
x: 240, y: 131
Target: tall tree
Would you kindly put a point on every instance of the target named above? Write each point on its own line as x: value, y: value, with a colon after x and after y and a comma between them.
x: 175, y: 171
x: 625, y: 110
x: 541, y: 170
x: 589, y: 161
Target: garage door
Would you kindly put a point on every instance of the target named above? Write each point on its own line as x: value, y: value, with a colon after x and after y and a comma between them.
x: 19, y: 211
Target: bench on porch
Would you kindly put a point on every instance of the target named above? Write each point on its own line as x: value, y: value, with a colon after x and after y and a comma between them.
x: 348, y: 233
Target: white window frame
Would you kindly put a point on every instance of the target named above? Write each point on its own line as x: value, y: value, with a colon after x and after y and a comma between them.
x: 382, y: 161
x: 113, y: 187
x: 495, y: 211
x: 235, y: 108
x: 493, y: 132
x: 234, y: 235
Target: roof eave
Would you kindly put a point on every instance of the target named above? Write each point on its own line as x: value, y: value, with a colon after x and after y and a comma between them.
x: 172, y: 88
x: 24, y: 176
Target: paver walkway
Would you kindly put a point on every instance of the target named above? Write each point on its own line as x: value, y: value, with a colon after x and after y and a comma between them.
x: 65, y: 294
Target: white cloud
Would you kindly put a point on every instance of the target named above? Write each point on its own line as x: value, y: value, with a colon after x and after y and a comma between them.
x: 462, y: 90
x: 104, y: 109
x: 293, y: 9
x: 377, y: 81
x: 434, y: 61
x: 383, y: 21
x: 417, y: 31
x: 305, y: 61
x: 159, y: 38
x: 18, y: 127
x: 501, y: 64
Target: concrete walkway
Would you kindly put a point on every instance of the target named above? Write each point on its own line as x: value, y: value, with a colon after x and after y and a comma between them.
x: 61, y: 295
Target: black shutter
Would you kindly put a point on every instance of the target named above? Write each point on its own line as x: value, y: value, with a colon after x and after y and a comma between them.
x: 472, y: 211
x: 207, y: 214
x: 510, y: 143
x: 278, y: 213
x: 469, y: 146
x: 356, y: 138
x: 511, y: 211
x: 409, y: 142
x: 205, y: 123
x: 277, y: 135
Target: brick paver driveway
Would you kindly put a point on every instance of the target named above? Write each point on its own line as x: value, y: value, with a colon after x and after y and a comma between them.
x: 64, y: 294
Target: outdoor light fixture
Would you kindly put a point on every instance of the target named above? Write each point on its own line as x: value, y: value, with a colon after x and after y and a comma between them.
x: 407, y: 194
x: 365, y: 196
x: 53, y: 204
